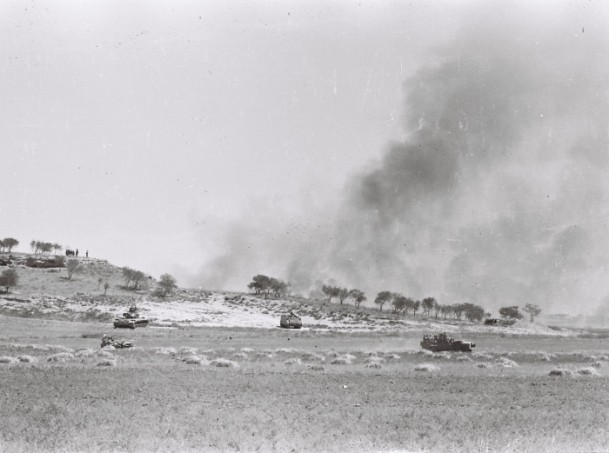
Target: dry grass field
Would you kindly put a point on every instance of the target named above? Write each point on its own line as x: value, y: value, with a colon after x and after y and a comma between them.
x: 219, y: 389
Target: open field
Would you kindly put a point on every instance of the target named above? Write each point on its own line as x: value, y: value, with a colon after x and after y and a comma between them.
x: 295, y: 390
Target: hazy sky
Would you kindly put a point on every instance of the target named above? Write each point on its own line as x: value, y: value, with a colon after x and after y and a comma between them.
x: 216, y: 140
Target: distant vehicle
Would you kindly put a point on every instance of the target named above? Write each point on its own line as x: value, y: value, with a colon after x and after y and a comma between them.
x: 130, y: 319
x: 443, y: 342
x: 290, y: 321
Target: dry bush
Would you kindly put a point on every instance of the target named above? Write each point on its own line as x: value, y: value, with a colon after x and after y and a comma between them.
x: 464, y: 358
x: 224, y: 363
x: 374, y: 364
x: 441, y: 355
x: 292, y: 361
x: 343, y: 360
x: 193, y: 360
x: 596, y: 364
x: 426, y: 367
x: 187, y: 350
x: 507, y: 363
x: 312, y: 357
x: 27, y: 359
x: 60, y: 357
x: 8, y: 360
x: 587, y: 371
x: 286, y: 351
x: 315, y: 367
x: 482, y: 355
x: 240, y: 355
x: 482, y: 365
x: 561, y: 372
x: 107, y: 362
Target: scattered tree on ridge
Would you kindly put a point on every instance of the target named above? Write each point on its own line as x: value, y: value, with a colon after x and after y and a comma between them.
x: 72, y: 266
x: 343, y: 293
x: 8, y: 278
x: 167, y: 284
x: 106, y: 286
x: 382, y: 298
x: 510, y: 312
x: 357, y: 296
x: 8, y: 243
x: 428, y: 304
x: 532, y: 310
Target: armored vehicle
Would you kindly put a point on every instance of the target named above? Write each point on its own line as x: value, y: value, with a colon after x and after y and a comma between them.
x: 443, y: 342
x: 290, y: 321
x: 131, y: 319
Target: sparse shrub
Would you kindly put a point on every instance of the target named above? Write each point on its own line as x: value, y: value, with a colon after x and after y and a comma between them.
x: 224, y: 363
x: 27, y: 359
x: 374, y: 365
x: 482, y: 365
x: 562, y: 372
x: 60, y: 357
x: 8, y: 360
x: 343, y: 360
x: 312, y: 356
x: 187, y: 350
x: 596, y: 364
x: 315, y: 367
x: 292, y: 361
x: 507, y: 363
x: 240, y: 355
x: 587, y: 371
x: 192, y: 360
x: 107, y: 362
x: 463, y: 358
x: 426, y: 367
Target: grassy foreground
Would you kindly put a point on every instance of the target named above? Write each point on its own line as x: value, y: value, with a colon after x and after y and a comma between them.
x: 326, y: 393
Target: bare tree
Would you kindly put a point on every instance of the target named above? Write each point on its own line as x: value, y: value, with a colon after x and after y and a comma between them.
x: 72, y: 266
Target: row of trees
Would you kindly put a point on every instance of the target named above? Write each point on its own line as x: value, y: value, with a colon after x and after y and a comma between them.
x: 356, y: 295
x: 402, y: 304
x: 41, y: 247
x: 513, y: 312
x: 7, y: 244
x: 264, y: 285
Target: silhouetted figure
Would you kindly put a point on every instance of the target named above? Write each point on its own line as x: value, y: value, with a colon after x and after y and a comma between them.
x: 87, y: 254
x: 76, y: 252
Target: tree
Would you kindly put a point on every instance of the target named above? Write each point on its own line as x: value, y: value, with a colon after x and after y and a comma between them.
x: 99, y: 282
x: 382, y: 298
x: 8, y: 278
x: 57, y: 248
x: 279, y: 287
x: 72, y: 266
x: 342, y: 294
x: 473, y: 312
x: 357, y: 296
x: 9, y: 243
x: 428, y: 304
x: 437, y: 308
x: 33, y: 246
x: 330, y: 291
x: 510, y: 312
x: 415, y: 307
x: 106, y: 286
x: 137, y: 277
x: 261, y: 284
x: 532, y: 310
x: 167, y: 284
x: 399, y: 303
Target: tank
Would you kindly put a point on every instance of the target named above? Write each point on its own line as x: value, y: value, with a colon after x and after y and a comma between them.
x: 130, y: 319
x: 443, y: 342
x: 290, y: 321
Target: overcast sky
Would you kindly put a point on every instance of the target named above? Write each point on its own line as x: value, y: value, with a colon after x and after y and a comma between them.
x: 216, y: 140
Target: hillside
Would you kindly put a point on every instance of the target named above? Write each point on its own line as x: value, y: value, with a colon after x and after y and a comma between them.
x: 49, y: 293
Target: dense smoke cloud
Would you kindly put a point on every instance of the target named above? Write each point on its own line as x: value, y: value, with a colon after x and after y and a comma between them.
x: 498, y: 194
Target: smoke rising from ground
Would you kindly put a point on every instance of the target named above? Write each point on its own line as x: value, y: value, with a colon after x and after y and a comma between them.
x: 498, y: 193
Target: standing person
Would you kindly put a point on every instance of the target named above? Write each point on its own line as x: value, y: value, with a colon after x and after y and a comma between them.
x: 87, y: 254
x: 76, y: 252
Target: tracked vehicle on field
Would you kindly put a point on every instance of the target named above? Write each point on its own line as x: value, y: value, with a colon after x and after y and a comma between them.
x: 290, y: 321
x: 442, y: 342
x: 131, y: 319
